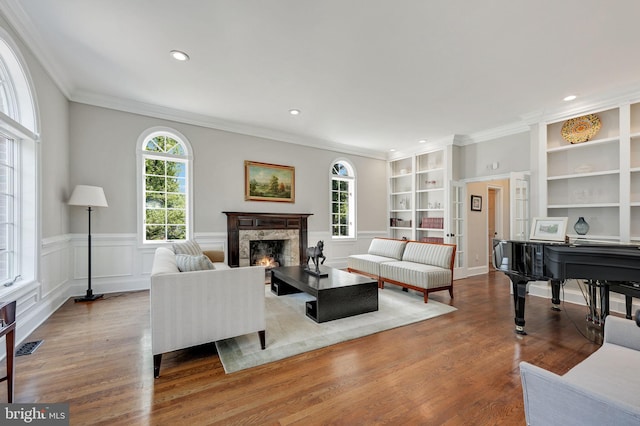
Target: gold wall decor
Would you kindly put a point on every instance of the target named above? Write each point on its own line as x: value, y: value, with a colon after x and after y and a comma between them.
x: 581, y: 129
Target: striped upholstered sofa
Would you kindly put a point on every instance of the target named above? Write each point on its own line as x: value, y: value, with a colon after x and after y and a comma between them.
x: 424, y: 267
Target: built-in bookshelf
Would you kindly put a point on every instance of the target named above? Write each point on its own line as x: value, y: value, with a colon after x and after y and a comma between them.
x: 418, y: 196
x: 599, y: 179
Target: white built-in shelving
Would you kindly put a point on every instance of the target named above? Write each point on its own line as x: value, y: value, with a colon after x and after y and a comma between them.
x: 598, y: 179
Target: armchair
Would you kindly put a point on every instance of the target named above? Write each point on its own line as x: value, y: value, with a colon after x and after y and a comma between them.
x: 602, y: 389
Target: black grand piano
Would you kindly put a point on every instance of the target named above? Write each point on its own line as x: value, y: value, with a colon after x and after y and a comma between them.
x: 615, y: 267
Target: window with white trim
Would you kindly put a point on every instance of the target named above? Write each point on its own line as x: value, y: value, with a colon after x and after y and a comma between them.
x: 165, y: 165
x: 342, y: 200
x: 18, y: 168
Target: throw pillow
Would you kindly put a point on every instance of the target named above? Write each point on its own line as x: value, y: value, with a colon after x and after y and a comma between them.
x: 188, y: 247
x: 188, y: 263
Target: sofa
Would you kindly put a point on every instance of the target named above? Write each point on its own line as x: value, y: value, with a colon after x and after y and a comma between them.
x: 205, y: 302
x: 602, y: 389
x: 419, y: 266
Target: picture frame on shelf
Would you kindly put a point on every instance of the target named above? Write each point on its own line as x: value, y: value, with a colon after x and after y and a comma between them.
x: 548, y: 228
x: 476, y: 203
x: 269, y: 182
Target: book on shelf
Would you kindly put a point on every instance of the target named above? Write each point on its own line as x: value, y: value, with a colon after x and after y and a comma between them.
x: 438, y: 240
x: 400, y: 223
x: 432, y: 222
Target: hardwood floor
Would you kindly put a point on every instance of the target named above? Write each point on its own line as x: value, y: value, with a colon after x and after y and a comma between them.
x: 460, y: 368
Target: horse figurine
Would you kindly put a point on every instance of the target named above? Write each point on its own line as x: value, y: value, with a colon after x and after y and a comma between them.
x: 315, y: 254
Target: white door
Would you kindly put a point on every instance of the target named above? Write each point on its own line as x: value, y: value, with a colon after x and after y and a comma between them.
x: 519, y: 208
x: 455, y: 228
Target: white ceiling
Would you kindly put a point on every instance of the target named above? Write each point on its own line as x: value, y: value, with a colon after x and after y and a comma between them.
x: 367, y: 74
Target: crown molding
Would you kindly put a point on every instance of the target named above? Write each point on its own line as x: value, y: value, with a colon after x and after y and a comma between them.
x: 612, y: 99
x: 495, y: 133
x: 423, y: 148
x: 156, y: 111
x: 22, y: 26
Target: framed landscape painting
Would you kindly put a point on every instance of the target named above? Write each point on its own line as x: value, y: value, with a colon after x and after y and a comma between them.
x: 269, y: 182
x: 548, y: 228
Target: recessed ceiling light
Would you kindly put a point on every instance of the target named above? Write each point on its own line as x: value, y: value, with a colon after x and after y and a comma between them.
x: 294, y: 111
x: 179, y: 56
x: 422, y: 141
x: 570, y: 97
x: 392, y: 150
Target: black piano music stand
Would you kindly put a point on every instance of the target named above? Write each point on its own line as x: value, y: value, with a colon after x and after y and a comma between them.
x: 8, y: 329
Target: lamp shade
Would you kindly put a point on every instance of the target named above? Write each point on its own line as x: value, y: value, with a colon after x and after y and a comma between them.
x: 90, y: 196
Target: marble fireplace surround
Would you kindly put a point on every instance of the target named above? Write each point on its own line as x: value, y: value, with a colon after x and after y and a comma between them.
x: 243, y: 227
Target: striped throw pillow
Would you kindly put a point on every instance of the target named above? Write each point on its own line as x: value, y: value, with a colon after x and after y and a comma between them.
x: 188, y: 247
x: 188, y: 263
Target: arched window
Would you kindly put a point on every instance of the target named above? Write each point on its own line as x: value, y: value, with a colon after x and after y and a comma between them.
x: 343, y: 206
x: 18, y: 168
x: 165, y: 182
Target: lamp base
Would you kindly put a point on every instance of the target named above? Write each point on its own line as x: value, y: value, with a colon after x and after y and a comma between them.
x: 89, y: 297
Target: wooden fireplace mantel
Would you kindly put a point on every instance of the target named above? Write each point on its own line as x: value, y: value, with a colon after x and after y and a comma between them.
x: 237, y: 221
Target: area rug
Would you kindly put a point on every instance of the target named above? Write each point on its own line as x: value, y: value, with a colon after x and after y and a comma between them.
x: 290, y: 332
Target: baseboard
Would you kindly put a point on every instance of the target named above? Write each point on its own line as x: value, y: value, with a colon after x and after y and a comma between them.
x: 575, y: 296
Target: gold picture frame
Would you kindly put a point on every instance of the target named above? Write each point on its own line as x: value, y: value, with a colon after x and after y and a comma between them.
x: 269, y: 182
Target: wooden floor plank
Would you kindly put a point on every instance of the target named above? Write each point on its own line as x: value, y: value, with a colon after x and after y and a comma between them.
x: 460, y: 368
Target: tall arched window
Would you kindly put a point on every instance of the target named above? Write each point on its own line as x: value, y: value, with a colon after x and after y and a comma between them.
x: 343, y: 206
x: 18, y: 168
x: 165, y: 182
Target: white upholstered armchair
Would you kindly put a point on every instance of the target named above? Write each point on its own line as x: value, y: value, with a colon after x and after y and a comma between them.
x: 602, y: 389
x: 193, y: 308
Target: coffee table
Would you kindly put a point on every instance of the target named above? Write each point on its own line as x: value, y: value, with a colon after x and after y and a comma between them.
x: 340, y: 294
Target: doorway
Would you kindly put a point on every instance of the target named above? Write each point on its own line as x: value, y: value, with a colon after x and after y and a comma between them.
x: 494, y: 219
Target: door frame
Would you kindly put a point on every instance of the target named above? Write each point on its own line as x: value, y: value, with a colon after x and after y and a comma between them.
x: 465, y: 182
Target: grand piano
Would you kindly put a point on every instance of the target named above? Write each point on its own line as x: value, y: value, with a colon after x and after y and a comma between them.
x: 613, y: 266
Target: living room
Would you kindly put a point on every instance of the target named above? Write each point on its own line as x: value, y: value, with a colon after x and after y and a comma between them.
x: 83, y: 137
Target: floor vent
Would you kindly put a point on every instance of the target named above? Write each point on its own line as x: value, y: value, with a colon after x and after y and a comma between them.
x: 28, y: 348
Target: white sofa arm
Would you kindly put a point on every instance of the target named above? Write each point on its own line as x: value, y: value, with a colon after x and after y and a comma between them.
x: 622, y: 332
x: 551, y: 400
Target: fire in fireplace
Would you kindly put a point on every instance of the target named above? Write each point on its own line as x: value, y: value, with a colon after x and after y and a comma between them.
x: 268, y: 253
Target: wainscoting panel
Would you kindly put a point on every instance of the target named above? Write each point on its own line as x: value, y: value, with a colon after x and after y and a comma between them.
x: 54, y: 266
x: 108, y: 259
x: 116, y: 263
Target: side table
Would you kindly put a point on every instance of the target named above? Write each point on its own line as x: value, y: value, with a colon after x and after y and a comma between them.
x: 8, y: 329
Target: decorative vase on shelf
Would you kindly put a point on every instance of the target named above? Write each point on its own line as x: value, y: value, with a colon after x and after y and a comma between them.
x: 581, y: 227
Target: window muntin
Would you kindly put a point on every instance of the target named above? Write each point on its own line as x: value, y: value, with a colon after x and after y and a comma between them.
x: 342, y: 200
x: 166, y: 188
x: 7, y: 209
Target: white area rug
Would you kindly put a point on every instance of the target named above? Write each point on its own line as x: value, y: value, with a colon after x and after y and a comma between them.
x: 290, y: 332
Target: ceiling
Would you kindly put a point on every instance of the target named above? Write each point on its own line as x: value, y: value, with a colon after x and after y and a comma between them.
x: 367, y: 75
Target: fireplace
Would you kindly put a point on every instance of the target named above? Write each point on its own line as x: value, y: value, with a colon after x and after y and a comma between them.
x: 245, y: 228
x: 267, y: 253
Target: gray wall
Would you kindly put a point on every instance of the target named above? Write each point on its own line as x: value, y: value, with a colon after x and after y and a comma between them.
x: 512, y: 153
x: 103, y: 153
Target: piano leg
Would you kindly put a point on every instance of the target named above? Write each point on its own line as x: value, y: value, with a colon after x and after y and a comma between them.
x: 555, y: 295
x: 519, y: 292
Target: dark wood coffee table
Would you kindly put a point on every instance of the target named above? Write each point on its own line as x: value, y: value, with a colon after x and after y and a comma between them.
x: 338, y: 295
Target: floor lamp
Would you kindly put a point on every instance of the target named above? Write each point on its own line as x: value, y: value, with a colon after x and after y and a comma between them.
x: 89, y: 196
